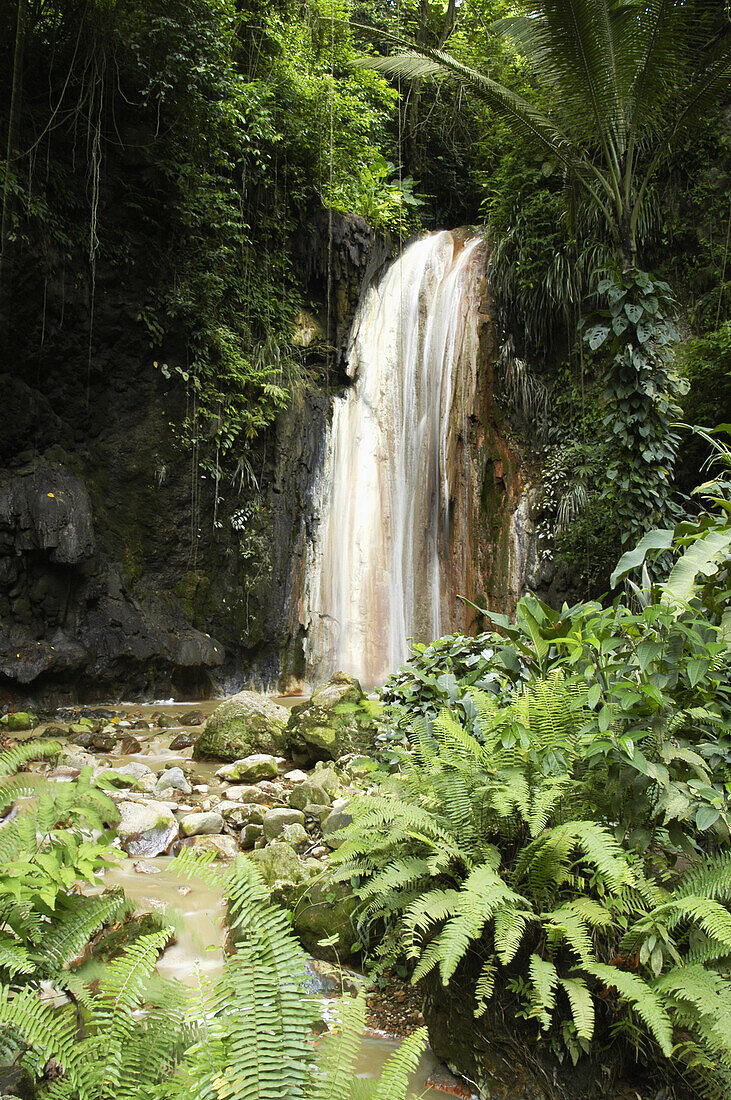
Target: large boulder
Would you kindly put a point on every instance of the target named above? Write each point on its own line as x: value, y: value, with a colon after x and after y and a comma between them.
x: 335, y: 721
x: 244, y: 724
x: 146, y: 829
x: 324, y: 910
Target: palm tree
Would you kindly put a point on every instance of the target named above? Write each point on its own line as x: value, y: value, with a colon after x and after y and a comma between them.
x: 620, y: 75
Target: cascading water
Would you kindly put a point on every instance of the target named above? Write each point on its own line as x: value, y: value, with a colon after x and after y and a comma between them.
x: 383, y: 554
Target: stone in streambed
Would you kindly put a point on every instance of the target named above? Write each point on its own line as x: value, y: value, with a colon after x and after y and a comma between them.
x: 165, y: 722
x: 222, y: 847
x: 238, y: 814
x: 173, y: 779
x: 182, y: 741
x: 19, y: 720
x: 249, y: 836
x: 246, y: 723
x: 337, y: 819
x: 336, y: 720
x: 246, y: 793
x: 276, y: 820
x: 308, y: 792
x: 146, y: 829
x: 250, y: 769
x: 297, y: 836
x: 75, y: 758
x: 204, y: 824
x: 279, y: 864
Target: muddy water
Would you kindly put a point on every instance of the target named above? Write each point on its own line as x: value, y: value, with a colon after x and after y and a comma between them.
x: 196, y: 911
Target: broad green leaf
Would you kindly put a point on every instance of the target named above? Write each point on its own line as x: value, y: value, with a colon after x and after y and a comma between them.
x: 659, y: 539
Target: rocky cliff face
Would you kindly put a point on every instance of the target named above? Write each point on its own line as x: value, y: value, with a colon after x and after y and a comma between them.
x: 114, y: 579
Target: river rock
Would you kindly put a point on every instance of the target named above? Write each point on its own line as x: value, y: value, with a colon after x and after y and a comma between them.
x: 297, y: 836
x: 134, y: 776
x: 337, y: 819
x: 245, y: 793
x: 237, y: 814
x: 173, y: 779
x: 325, y: 776
x: 165, y: 722
x: 129, y: 746
x: 322, y: 910
x: 147, y: 829
x: 315, y: 812
x: 251, y: 769
x: 19, y: 720
x: 307, y: 792
x: 222, y: 847
x: 335, y: 721
x: 76, y: 758
x: 192, y: 718
x: 279, y: 864
x: 246, y: 723
x: 182, y: 741
x: 275, y: 820
x: 249, y: 836
x: 296, y: 776
x: 205, y: 824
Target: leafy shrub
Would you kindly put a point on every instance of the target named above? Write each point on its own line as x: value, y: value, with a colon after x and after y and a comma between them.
x: 494, y: 862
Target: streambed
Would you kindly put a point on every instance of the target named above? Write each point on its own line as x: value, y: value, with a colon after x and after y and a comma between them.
x: 194, y: 908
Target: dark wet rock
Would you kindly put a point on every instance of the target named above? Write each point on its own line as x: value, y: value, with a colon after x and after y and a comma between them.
x: 246, y: 723
x: 146, y: 829
x: 129, y: 745
x: 103, y: 743
x: 335, y: 721
x: 166, y: 722
x: 83, y: 738
x: 182, y: 741
x: 192, y: 718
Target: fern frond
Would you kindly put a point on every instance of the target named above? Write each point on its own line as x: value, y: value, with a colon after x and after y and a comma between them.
x: 582, y: 1006
x: 544, y: 979
x: 641, y: 997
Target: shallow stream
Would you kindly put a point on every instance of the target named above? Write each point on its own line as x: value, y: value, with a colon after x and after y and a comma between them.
x: 195, y: 909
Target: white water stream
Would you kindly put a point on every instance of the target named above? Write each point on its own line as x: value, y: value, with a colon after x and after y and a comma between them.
x: 377, y: 576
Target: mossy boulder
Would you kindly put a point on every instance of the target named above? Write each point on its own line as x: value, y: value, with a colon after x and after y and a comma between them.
x: 336, y: 720
x: 324, y: 911
x: 244, y: 724
x: 280, y: 867
x: 20, y: 720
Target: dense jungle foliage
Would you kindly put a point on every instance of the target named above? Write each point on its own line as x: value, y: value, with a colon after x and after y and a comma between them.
x: 176, y: 149
x: 551, y: 833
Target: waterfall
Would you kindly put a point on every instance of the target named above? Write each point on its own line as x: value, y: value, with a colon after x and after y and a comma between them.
x: 381, y: 561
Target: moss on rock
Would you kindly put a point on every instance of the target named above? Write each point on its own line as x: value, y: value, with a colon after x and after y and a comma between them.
x: 246, y: 723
